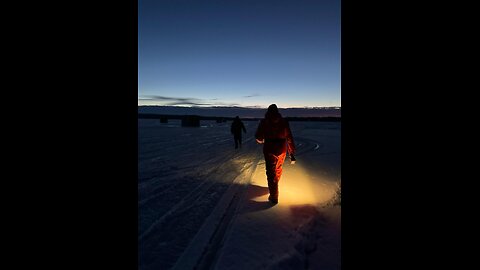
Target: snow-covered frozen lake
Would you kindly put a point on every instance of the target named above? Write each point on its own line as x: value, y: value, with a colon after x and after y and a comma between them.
x: 203, y: 204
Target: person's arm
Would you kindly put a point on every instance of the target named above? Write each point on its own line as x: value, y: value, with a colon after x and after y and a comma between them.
x: 260, y: 133
x: 290, y: 143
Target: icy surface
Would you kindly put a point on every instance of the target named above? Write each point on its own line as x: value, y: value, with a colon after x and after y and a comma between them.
x: 203, y: 204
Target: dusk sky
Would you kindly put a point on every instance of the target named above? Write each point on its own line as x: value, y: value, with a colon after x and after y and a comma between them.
x: 239, y: 53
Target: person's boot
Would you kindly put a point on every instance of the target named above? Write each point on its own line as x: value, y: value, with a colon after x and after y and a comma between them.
x: 273, y: 199
x: 273, y: 188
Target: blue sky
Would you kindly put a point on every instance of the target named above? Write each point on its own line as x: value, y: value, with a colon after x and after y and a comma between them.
x: 239, y: 53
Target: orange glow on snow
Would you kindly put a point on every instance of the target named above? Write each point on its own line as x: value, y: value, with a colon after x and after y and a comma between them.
x: 296, y: 186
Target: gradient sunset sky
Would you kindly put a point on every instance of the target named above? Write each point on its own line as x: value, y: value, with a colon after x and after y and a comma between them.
x: 239, y: 53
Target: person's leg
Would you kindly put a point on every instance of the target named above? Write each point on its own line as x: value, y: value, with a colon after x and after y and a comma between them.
x: 273, y: 166
x: 279, y: 165
x: 235, y: 138
x: 278, y: 174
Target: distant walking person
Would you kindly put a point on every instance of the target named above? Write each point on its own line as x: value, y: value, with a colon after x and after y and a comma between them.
x: 236, y: 129
x: 275, y: 135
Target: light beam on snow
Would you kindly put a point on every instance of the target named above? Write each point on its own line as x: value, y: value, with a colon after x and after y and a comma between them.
x: 297, y: 186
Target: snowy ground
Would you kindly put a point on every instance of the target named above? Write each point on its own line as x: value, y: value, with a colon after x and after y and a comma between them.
x: 203, y: 204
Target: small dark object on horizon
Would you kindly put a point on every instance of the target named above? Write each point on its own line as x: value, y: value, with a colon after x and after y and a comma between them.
x: 190, y: 121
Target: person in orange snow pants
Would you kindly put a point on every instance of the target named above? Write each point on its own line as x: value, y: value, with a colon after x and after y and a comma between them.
x: 274, y: 133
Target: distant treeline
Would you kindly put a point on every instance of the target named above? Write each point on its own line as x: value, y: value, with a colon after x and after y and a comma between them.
x: 219, y: 118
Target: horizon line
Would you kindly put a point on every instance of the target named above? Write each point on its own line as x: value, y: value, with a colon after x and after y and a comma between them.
x: 244, y: 107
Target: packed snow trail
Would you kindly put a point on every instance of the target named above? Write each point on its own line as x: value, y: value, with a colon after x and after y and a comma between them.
x: 183, y: 173
x: 205, y: 207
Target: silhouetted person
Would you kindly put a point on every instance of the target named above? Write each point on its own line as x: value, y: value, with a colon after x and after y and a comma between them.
x: 275, y: 134
x: 236, y: 129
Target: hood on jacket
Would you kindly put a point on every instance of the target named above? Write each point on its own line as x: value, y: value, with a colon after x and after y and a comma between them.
x: 272, y: 114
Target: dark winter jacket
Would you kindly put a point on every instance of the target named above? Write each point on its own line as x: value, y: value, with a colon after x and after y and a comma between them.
x: 237, y: 127
x: 275, y: 132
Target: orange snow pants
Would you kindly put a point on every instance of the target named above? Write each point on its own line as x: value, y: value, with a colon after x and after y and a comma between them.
x: 274, y: 152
